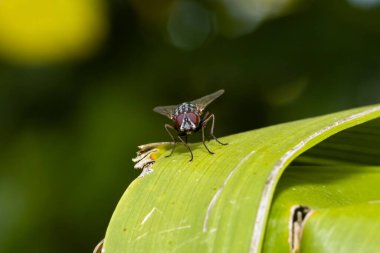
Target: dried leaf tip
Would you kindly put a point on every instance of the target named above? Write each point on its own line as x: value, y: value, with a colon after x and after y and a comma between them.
x: 147, y: 156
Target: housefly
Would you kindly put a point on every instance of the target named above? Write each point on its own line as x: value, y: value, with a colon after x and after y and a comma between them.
x: 189, y: 118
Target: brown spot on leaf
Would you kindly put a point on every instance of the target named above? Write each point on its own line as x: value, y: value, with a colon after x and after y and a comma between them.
x: 299, y: 215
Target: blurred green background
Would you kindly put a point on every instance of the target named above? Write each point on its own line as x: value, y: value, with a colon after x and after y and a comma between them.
x: 79, y: 79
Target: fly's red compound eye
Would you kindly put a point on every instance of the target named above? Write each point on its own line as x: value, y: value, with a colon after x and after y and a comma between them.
x: 179, y: 119
x: 194, y: 118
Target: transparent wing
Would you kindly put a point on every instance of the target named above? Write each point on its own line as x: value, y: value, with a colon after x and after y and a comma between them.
x: 206, y: 100
x: 167, y: 111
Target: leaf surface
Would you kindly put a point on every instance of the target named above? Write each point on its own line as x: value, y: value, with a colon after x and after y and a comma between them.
x: 221, y: 202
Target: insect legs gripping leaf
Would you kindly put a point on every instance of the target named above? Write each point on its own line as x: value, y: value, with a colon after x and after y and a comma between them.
x: 188, y: 118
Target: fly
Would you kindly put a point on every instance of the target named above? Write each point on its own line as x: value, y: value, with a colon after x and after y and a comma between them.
x: 189, y: 118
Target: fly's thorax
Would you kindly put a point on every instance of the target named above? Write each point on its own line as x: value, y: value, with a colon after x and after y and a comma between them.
x: 185, y: 108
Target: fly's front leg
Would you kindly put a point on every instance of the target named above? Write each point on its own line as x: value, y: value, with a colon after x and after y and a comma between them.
x: 212, y: 117
x: 167, y: 126
x: 187, y: 146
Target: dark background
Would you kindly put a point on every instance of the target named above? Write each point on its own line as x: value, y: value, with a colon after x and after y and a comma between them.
x: 78, y: 83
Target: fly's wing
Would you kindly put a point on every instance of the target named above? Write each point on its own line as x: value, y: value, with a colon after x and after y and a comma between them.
x: 167, y: 111
x: 202, y: 102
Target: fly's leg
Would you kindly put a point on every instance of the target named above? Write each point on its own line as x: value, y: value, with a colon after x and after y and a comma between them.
x: 187, y: 146
x: 203, y: 139
x: 167, y: 126
x: 203, y: 125
x: 212, y: 117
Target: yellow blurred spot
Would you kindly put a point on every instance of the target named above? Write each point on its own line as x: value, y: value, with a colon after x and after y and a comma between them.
x: 153, y: 156
x: 45, y: 31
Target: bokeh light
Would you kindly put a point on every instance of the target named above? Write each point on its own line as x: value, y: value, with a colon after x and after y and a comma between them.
x: 365, y: 3
x: 189, y: 25
x: 47, y: 31
x: 246, y: 15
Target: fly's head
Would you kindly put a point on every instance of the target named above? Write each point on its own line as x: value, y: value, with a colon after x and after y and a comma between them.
x: 186, y: 117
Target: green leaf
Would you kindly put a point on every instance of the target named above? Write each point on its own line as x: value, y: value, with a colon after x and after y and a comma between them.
x: 223, y: 202
x: 330, y: 192
x: 347, y: 229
